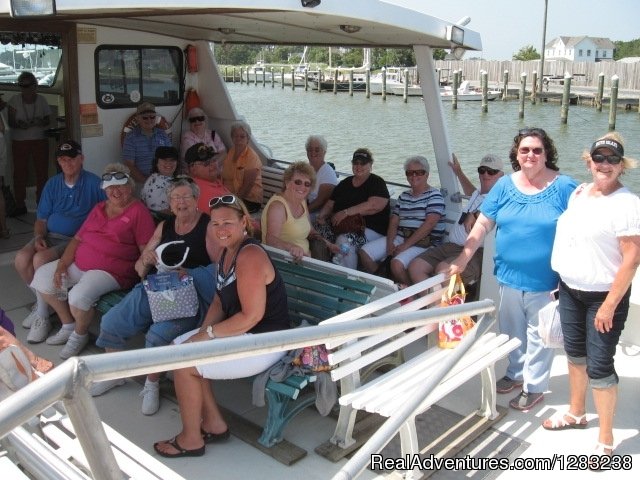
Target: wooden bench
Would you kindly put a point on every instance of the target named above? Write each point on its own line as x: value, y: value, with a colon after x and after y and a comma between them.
x: 386, y: 393
x: 312, y: 296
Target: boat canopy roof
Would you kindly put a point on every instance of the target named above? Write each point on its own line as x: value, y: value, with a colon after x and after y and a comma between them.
x: 331, y: 22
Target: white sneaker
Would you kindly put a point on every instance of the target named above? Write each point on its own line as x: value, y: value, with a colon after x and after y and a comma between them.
x: 74, y: 345
x: 98, y: 388
x: 150, y: 398
x: 39, y: 330
x: 61, y: 337
x: 33, y: 314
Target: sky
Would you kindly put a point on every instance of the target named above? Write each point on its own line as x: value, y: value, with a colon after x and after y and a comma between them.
x: 506, y: 26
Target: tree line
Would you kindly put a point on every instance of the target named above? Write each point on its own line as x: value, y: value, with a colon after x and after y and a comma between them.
x: 247, y: 54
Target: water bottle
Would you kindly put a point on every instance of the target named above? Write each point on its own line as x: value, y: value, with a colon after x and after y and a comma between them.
x: 344, y: 250
x: 63, y: 290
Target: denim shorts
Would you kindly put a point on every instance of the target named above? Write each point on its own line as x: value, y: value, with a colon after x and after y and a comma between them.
x: 582, y: 342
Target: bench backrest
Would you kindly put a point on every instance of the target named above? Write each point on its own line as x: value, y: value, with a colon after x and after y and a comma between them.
x: 314, y: 296
x: 357, y: 354
x: 272, y: 182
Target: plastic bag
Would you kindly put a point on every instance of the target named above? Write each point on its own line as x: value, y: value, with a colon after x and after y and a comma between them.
x: 549, y: 327
x: 451, y: 331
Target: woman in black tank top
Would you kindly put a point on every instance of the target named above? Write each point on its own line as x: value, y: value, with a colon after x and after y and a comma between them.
x: 250, y: 298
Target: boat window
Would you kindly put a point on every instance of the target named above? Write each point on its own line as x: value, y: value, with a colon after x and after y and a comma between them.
x: 38, y: 53
x: 128, y: 75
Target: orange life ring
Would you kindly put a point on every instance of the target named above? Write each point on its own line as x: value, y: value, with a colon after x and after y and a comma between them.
x: 132, y: 122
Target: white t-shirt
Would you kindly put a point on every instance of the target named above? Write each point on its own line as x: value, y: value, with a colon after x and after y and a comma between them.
x: 457, y: 233
x: 326, y: 174
x: 586, y: 252
x: 27, y: 112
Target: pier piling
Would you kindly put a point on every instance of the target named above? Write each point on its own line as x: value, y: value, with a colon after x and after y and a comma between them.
x: 600, y: 92
x: 505, y: 85
x: 613, y: 106
x: 564, y: 109
x: 523, y: 84
x: 484, y: 86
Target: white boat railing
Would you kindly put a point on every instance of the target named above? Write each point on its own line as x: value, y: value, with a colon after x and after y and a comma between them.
x: 69, y: 382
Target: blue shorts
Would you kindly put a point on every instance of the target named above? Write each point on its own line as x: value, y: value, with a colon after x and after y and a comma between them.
x: 133, y: 315
x: 582, y: 342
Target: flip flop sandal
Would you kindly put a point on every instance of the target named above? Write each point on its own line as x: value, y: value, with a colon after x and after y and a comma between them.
x: 595, y: 462
x: 559, y: 422
x: 209, y: 437
x: 182, y: 452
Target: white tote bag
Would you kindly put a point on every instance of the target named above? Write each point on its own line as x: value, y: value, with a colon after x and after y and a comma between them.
x: 549, y: 327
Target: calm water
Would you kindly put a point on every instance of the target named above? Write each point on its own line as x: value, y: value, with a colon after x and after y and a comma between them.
x: 393, y: 130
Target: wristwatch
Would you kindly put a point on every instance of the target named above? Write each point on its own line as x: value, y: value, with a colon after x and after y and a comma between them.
x: 210, y: 332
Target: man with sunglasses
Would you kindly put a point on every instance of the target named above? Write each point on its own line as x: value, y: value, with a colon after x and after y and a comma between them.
x: 67, y: 199
x: 140, y: 144
x: 437, y: 259
x: 204, y: 171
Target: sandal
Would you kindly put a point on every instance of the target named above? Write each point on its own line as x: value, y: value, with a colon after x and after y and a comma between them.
x: 209, y: 437
x: 595, y: 461
x: 181, y: 452
x: 560, y: 422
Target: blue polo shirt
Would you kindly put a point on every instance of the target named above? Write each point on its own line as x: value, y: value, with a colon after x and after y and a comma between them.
x: 141, y: 149
x: 65, y: 208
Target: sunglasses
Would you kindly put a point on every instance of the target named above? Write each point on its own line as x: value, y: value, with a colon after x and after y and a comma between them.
x: 610, y: 159
x: 307, y: 183
x: 490, y: 171
x: 148, y: 117
x: 182, y: 178
x: 111, y: 175
x: 223, y: 200
x: 525, y: 132
x: 415, y: 173
x: 196, y: 119
x: 359, y: 162
x: 526, y: 150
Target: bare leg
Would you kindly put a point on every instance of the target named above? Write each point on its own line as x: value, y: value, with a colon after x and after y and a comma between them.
x: 212, y: 419
x: 605, y: 400
x: 419, y: 270
x: 189, y: 391
x: 399, y: 272
x: 578, y: 382
x: 368, y: 265
x: 61, y: 308
x: 82, y: 318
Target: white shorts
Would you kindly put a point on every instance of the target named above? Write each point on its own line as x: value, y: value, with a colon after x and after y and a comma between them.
x: 88, y: 286
x: 377, y: 250
x: 238, y: 368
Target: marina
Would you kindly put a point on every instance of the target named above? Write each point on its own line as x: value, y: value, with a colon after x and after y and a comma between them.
x: 53, y: 429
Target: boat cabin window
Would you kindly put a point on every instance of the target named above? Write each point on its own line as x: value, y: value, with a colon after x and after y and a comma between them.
x: 128, y: 75
x: 38, y: 53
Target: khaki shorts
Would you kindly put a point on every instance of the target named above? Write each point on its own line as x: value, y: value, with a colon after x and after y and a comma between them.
x: 447, y: 252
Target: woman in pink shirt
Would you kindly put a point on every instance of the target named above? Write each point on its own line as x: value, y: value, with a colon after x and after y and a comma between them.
x: 100, y: 258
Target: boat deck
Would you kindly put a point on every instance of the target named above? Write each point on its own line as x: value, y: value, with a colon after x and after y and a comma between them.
x: 517, y: 434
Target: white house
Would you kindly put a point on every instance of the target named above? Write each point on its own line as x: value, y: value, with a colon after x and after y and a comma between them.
x: 580, y: 49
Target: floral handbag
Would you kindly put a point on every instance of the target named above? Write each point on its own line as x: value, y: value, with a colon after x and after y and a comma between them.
x: 451, y: 331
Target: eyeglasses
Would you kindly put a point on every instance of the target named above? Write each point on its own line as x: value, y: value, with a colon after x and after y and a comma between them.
x: 223, y: 200
x: 526, y: 150
x: 307, y: 184
x: 610, y: 159
x: 111, y: 175
x: 148, y: 117
x: 415, y: 173
x: 181, y: 178
x: 314, y: 149
x: 196, y: 119
x: 490, y: 171
x: 180, y: 197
